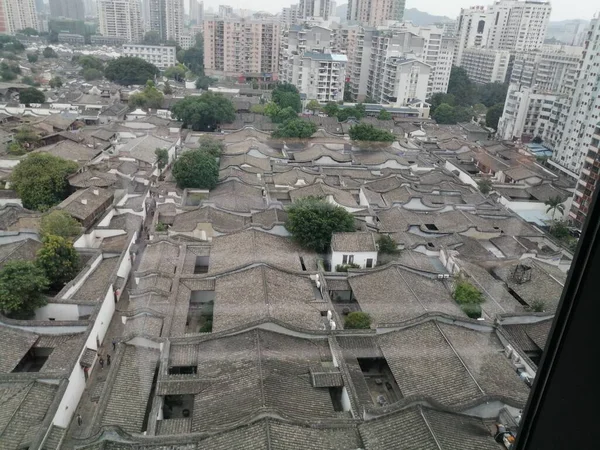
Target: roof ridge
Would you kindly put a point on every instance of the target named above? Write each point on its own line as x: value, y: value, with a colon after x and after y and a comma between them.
x: 458, y: 356
x: 260, y: 370
x: 28, y: 388
x: 419, y: 407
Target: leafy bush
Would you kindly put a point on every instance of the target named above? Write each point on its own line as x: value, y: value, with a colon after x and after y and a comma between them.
x: 384, y: 115
x: 211, y: 146
x: 130, y: 70
x: 196, y: 169
x: 161, y: 227
x: 49, y: 53
x: 295, y: 128
x: 31, y: 95
x: 472, y: 310
x: 32, y: 57
x: 59, y: 260
x: 162, y: 158
x: 345, y: 267
x: 287, y: 95
x: 484, y: 185
x: 357, y: 320
x: 205, y: 112
x: 465, y: 293
x: 366, y: 132
x: 59, y: 223
x: 387, y: 245
x: 537, y: 306
x: 312, y: 221
x: 92, y: 74
x: 40, y: 180
x: 22, y: 286
x: 150, y: 97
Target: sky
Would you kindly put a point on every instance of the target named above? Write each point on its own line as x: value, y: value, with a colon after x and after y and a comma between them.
x: 561, y: 9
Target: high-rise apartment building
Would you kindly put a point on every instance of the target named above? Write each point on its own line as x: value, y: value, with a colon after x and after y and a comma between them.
x: 242, y: 47
x: 18, y: 14
x: 505, y: 25
x: 290, y: 15
x: 196, y: 11
x: 164, y: 17
x: 70, y: 9
x: 579, y: 150
x: 314, y: 8
x: 486, y: 65
x: 375, y: 12
x: 225, y: 11
x: 541, y: 87
x: 90, y: 8
x: 120, y: 19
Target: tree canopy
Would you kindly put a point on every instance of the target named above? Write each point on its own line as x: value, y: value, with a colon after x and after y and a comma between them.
x: 465, y: 292
x: 59, y: 260
x: 331, y: 109
x: 32, y: 57
x: 384, y: 115
x: 278, y: 114
x: 167, y: 89
x: 152, y: 38
x: 130, y: 70
x: 176, y: 73
x: 211, y: 146
x: 312, y: 221
x: 366, y: 132
x: 92, y: 74
x: 31, y: 95
x: 196, y: 169
x: 162, y: 158
x: 461, y: 87
x: 193, y: 58
x: 387, y: 245
x: 59, y: 223
x: 313, y: 106
x: 444, y: 114
x: 40, y: 180
x: 49, y: 53
x: 357, y: 320
x: 150, y: 97
x: 56, y: 82
x: 203, y: 82
x: 485, y: 186
x: 295, y: 128
x: 22, y: 286
x: 287, y: 95
x: 492, y: 117
x: 205, y: 112
x: 357, y: 111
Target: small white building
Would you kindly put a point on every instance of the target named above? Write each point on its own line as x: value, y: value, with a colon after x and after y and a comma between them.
x: 162, y: 56
x: 354, y: 248
x: 320, y: 76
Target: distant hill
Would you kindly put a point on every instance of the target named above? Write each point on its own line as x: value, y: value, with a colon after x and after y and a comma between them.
x: 422, y: 18
x: 412, y: 14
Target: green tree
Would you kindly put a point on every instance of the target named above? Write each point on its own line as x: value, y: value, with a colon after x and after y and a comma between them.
x: 312, y: 221
x: 193, y: 59
x: 366, y: 132
x: 492, y: 93
x: 162, y: 158
x: 348, y: 96
x: 28, y: 31
x: 167, y: 89
x: 463, y: 114
x: 211, y: 146
x: 32, y: 57
x: 472, y: 310
x: 295, y: 128
x: 485, y: 186
x: 205, y: 112
x: 283, y: 115
x: 196, y: 169
x: 59, y: 223
x: 559, y: 230
x: 493, y: 115
x: 176, y: 73
x: 357, y: 111
x: 161, y: 227
x: 56, y: 82
x: 22, y: 287
x: 150, y: 97
x: 30, y: 81
x: 49, y: 53
x: 440, y: 98
x: 31, y: 95
x: 444, y: 114
x: 387, y: 245
x: 461, y: 87
x: 331, y: 109
x: 286, y: 94
x: 130, y: 70
x: 59, y: 260
x: 92, y: 74
x: 465, y: 292
x: 258, y: 109
x: 40, y: 180
x: 88, y: 62
x: 479, y: 109
x: 313, y: 106
x: 203, y: 82
x: 152, y: 38
x: 357, y: 320
x: 555, y: 204
x: 384, y: 115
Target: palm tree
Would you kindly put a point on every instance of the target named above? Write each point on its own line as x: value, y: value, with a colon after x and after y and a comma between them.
x: 555, y: 204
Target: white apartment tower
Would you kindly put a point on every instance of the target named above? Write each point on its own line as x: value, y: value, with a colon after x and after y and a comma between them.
x: 505, y: 25
x: 584, y: 113
x: 165, y: 17
x: 120, y: 18
x: 314, y: 8
x: 196, y: 11
x: 290, y: 15
x: 485, y: 65
x: 19, y: 14
x: 375, y: 12
x: 539, y: 94
x: 242, y: 47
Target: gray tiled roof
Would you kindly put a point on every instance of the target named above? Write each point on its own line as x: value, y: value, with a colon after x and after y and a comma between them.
x: 94, y: 287
x: 234, y: 195
x: 317, y: 151
x: 419, y: 428
x: 353, y: 242
x: 128, y: 397
x: 15, y: 344
x: 321, y: 190
x: 394, y: 294
x: 530, y: 336
x: 161, y: 256
x: 221, y: 221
